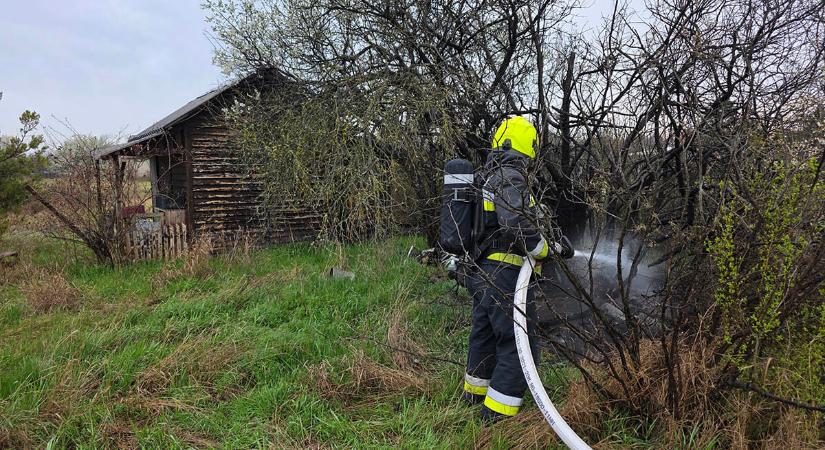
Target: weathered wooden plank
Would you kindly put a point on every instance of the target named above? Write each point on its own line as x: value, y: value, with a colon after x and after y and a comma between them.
x: 226, y: 193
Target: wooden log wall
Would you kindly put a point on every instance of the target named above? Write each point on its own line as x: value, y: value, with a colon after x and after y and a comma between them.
x: 225, y: 199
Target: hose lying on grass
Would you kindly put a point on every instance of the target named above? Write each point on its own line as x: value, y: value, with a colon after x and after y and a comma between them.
x: 528, y: 365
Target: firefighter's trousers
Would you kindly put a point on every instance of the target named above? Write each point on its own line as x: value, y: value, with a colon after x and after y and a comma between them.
x: 493, y: 368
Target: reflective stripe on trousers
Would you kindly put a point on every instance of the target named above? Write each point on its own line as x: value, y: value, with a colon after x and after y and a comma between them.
x: 474, y: 385
x: 501, y: 403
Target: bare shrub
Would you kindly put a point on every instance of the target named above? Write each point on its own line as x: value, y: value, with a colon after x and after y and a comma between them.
x: 87, y: 195
x: 688, y: 140
x: 363, y: 132
x: 49, y: 291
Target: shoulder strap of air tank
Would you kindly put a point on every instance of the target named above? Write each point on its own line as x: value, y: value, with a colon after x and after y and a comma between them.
x: 480, y: 245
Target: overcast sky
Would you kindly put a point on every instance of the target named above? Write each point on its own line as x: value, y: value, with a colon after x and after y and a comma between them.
x: 105, y: 65
x: 112, y: 66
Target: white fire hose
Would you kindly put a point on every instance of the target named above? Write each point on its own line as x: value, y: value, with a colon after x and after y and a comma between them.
x: 528, y: 366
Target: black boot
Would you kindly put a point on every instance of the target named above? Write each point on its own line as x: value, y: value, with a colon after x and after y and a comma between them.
x: 472, y: 399
x: 489, y: 417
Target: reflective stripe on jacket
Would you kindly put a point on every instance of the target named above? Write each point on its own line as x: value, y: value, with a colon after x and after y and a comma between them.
x: 507, y: 206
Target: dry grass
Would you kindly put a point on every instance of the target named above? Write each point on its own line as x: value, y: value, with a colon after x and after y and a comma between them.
x: 364, y: 381
x: 119, y: 435
x: 14, y: 439
x: 752, y: 423
x: 239, y: 250
x: 583, y: 409
x: 645, y: 387
x: 14, y: 272
x: 159, y: 280
x: 709, y: 417
x: 48, y: 291
x: 196, y: 264
x: 31, y: 216
x: 73, y: 386
x: 527, y: 430
x: 340, y: 256
x: 200, y: 360
x: 287, y: 275
x: 405, y: 350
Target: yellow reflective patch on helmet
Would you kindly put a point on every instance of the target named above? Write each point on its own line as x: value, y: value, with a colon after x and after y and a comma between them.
x: 521, y: 133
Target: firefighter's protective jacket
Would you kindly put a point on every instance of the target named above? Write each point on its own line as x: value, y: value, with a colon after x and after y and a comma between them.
x: 510, y: 231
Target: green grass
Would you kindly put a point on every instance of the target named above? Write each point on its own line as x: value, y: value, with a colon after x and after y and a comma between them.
x: 232, y: 359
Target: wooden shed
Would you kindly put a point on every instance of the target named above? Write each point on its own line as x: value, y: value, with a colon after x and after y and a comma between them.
x: 200, y: 183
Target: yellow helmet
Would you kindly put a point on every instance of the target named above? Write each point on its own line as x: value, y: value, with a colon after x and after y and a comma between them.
x: 521, y: 133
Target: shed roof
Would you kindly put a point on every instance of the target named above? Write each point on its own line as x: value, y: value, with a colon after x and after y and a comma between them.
x: 163, y: 125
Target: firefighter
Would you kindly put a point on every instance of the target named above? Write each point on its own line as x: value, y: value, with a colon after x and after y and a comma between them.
x: 494, y: 376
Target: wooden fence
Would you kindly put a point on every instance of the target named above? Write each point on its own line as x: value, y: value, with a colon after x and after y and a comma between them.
x: 167, y: 241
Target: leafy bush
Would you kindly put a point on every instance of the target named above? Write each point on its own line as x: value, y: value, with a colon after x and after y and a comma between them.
x: 20, y: 158
x: 767, y: 255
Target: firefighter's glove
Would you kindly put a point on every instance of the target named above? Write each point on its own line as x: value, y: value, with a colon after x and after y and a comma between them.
x: 565, y: 248
x: 543, y: 213
x: 450, y: 263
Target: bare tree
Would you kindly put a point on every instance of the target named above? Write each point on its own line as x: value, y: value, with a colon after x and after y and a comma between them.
x: 84, y: 197
x: 417, y: 82
x: 674, y: 145
x: 663, y: 127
